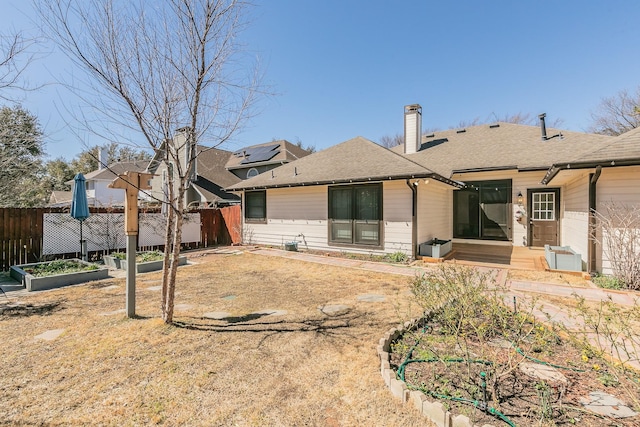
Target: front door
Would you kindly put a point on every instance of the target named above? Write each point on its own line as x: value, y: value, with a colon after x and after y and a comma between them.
x: 544, y: 213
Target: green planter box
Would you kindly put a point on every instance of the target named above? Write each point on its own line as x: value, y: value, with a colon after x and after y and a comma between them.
x: 33, y: 283
x: 562, y: 258
x: 141, y: 267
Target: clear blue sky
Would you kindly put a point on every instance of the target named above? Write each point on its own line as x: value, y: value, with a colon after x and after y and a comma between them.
x: 343, y: 68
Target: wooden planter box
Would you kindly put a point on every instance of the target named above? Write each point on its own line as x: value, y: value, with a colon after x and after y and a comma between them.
x: 562, y: 258
x: 141, y: 267
x: 435, y: 248
x: 33, y: 283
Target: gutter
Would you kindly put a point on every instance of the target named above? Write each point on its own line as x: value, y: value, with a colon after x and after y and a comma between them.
x: 432, y: 175
x: 592, y: 248
x: 414, y: 219
x: 556, y: 168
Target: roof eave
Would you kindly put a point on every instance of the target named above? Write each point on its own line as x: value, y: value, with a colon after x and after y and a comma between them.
x: 430, y: 175
x: 555, y: 169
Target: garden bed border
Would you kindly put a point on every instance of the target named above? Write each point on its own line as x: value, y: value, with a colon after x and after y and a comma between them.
x: 435, y: 411
x: 34, y: 283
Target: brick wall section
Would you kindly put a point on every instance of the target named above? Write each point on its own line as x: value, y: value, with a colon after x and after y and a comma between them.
x: 434, y: 411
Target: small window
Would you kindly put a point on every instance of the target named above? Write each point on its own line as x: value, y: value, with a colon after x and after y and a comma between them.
x: 252, y: 172
x: 255, y: 206
x: 544, y: 206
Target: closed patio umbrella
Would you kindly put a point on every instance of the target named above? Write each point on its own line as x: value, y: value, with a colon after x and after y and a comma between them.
x: 80, y: 208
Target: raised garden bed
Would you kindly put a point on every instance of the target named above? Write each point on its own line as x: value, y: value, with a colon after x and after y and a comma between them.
x: 145, y: 261
x: 435, y: 248
x: 562, y: 258
x: 54, y: 274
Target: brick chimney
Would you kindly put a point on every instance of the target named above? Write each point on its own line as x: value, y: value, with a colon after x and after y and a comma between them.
x: 412, y: 128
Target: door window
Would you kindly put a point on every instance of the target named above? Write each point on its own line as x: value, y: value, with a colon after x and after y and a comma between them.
x: 544, y: 206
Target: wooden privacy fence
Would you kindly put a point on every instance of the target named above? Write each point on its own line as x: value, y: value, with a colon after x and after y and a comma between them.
x: 22, y: 230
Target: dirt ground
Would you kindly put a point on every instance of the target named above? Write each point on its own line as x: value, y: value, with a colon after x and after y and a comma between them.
x: 299, y: 368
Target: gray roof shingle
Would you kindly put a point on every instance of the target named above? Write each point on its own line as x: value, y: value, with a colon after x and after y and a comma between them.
x: 356, y: 160
x: 501, y: 146
x: 621, y: 147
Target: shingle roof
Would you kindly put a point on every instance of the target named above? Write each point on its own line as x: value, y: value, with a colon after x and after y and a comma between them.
x: 621, y: 147
x: 116, y: 169
x: 500, y: 146
x: 356, y: 160
x: 287, y: 152
x: 211, y: 166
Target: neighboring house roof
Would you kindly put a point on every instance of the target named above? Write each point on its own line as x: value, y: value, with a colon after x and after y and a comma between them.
x: 356, y: 160
x: 500, y: 146
x: 115, y: 169
x: 269, y: 153
x: 60, y: 198
x: 211, y: 166
x: 212, y: 177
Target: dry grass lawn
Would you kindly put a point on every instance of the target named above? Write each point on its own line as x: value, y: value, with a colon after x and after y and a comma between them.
x: 303, y: 368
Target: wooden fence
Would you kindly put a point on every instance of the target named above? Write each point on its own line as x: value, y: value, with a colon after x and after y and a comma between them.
x: 21, y: 231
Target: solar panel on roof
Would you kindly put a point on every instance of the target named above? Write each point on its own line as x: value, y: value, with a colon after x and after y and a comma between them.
x: 260, y: 154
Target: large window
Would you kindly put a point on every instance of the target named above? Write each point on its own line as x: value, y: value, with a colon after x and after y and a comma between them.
x: 255, y: 206
x: 482, y: 210
x: 355, y: 214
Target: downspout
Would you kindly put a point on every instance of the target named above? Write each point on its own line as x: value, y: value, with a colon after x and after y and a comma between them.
x: 414, y: 218
x: 593, y: 180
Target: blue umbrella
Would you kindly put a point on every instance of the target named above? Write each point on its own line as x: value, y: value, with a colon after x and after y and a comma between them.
x: 80, y: 205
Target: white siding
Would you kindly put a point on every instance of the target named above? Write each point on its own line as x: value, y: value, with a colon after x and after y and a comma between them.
x: 300, y: 214
x: 575, y: 219
x: 435, y: 211
x: 397, y: 199
x: 520, y: 183
x: 620, y: 186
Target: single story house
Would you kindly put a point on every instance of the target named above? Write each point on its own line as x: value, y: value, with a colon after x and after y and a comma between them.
x: 500, y: 183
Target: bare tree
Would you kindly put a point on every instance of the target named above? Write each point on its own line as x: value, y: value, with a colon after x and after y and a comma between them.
x: 618, y: 234
x: 617, y: 114
x: 389, y: 141
x: 14, y: 59
x: 156, y: 67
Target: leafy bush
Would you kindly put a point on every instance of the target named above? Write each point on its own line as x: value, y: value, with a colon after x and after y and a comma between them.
x: 608, y: 282
x: 396, y: 257
x: 59, y: 267
x: 141, y: 256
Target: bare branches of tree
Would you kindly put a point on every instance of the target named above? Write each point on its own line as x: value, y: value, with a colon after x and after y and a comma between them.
x: 389, y: 141
x: 618, y: 233
x: 617, y: 114
x: 172, y: 71
x: 15, y: 56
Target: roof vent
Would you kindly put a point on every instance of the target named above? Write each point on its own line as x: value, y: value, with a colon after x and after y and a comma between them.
x: 495, y: 125
x: 543, y: 126
x: 461, y: 131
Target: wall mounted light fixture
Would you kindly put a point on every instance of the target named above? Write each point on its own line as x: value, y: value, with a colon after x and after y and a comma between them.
x: 519, y: 197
